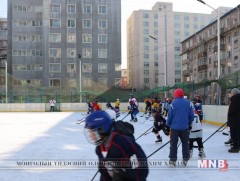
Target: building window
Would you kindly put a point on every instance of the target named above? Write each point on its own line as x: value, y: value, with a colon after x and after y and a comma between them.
x: 102, y: 53
x: 102, y: 82
x: 71, y: 53
x: 55, y: 52
x: 102, y: 38
x: 55, y: 23
x: 55, y: 37
x: 87, y: 67
x: 145, y: 15
x: 145, y: 23
x: 87, y: 53
x: 71, y: 23
x: 56, y: 8
x: 54, y: 67
x: 87, y: 38
x: 71, y: 8
x: 146, y: 56
x: 155, y: 16
x: 87, y: 23
x: 102, y: 9
x: 87, y: 9
x: 71, y: 38
x: 54, y: 82
x: 71, y: 68
x: 117, y: 67
x: 102, y: 24
x: 102, y: 68
x: 146, y: 64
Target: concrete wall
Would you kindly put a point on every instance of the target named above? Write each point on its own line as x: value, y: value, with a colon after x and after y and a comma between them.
x: 216, y: 115
x: 42, y: 107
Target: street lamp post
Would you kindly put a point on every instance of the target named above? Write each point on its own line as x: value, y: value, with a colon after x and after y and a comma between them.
x: 6, y: 84
x: 218, y: 48
x: 80, y: 77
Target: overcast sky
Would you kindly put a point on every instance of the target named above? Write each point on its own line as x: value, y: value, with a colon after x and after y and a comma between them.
x: 128, y: 6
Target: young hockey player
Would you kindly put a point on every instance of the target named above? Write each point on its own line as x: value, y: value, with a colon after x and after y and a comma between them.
x: 159, y: 124
x: 90, y: 108
x: 133, y: 110
x: 110, y: 111
x: 198, y: 108
x: 196, y: 135
x: 120, y: 157
x: 117, y: 108
x: 148, y: 103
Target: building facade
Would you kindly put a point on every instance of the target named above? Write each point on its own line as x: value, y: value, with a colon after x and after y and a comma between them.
x: 155, y: 62
x: 199, y: 54
x: 51, y: 40
x: 3, y: 58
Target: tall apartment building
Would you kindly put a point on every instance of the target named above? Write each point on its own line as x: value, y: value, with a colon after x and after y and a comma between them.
x: 3, y: 55
x: 48, y: 38
x: 147, y: 56
x: 199, y: 54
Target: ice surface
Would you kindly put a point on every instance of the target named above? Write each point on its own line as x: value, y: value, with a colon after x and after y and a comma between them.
x: 56, y: 137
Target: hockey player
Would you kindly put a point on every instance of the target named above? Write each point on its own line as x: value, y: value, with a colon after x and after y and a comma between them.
x: 133, y: 110
x: 110, y: 111
x: 90, y: 108
x: 117, y: 108
x: 159, y: 124
x: 196, y: 135
x: 148, y: 103
x: 198, y: 108
x: 119, y: 155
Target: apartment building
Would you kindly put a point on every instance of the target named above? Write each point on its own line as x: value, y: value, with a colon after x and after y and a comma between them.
x: 48, y: 38
x: 3, y: 56
x: 155, y: 62
x: 199, y: 54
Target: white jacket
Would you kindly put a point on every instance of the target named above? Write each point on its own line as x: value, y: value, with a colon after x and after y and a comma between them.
x: 196, y: 131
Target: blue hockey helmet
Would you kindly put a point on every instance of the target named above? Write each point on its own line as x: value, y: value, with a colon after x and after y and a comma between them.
x: 98, y: 125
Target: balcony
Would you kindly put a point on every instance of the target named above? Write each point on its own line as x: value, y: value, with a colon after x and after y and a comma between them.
x: 222, y: 47
x: 186, y: 61
x: 186, y: 73
x: 202, y: 67
x: 202, y: 54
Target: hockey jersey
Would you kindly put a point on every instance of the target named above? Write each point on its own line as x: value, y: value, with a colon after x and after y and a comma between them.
x: 196, y: 131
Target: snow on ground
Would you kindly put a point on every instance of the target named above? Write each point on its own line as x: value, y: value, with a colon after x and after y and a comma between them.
x: 56, y: 139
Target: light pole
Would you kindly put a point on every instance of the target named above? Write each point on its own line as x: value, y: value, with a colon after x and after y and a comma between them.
x: 164, y: 64
x: 80, y: 77
x: 218, y: 48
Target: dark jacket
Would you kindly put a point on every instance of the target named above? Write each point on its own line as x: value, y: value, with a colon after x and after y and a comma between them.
x: 122, y: 151
x: 234, y: 111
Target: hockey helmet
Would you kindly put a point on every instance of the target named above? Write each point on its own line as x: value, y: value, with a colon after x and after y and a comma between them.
x: 98, y: 125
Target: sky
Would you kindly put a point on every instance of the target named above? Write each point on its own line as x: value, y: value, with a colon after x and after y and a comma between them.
x: 54, y: 137
x: 128, y: 6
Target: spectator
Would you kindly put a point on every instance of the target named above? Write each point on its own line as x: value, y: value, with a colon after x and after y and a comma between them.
x: 52, y: 104
x: 234, y: 120
x: 180, y: 117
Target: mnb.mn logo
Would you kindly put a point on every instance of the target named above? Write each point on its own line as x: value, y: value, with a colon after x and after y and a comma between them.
x: 221, y: 164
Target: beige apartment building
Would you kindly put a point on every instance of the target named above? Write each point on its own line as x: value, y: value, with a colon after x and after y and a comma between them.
x: 155, y: 62
x: 199, y: 55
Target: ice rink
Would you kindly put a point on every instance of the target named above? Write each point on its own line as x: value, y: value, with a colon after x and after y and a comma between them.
x: 52, y: 147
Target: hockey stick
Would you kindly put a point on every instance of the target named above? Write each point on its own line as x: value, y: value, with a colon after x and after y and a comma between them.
x: 144, y: 133
x: 211, y: 135
x: 222, y: 129
x: 94, y: 175
x: 81, y: 120
x: 158, y: 149
x: 123, y: 117
x: 225, y: 134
